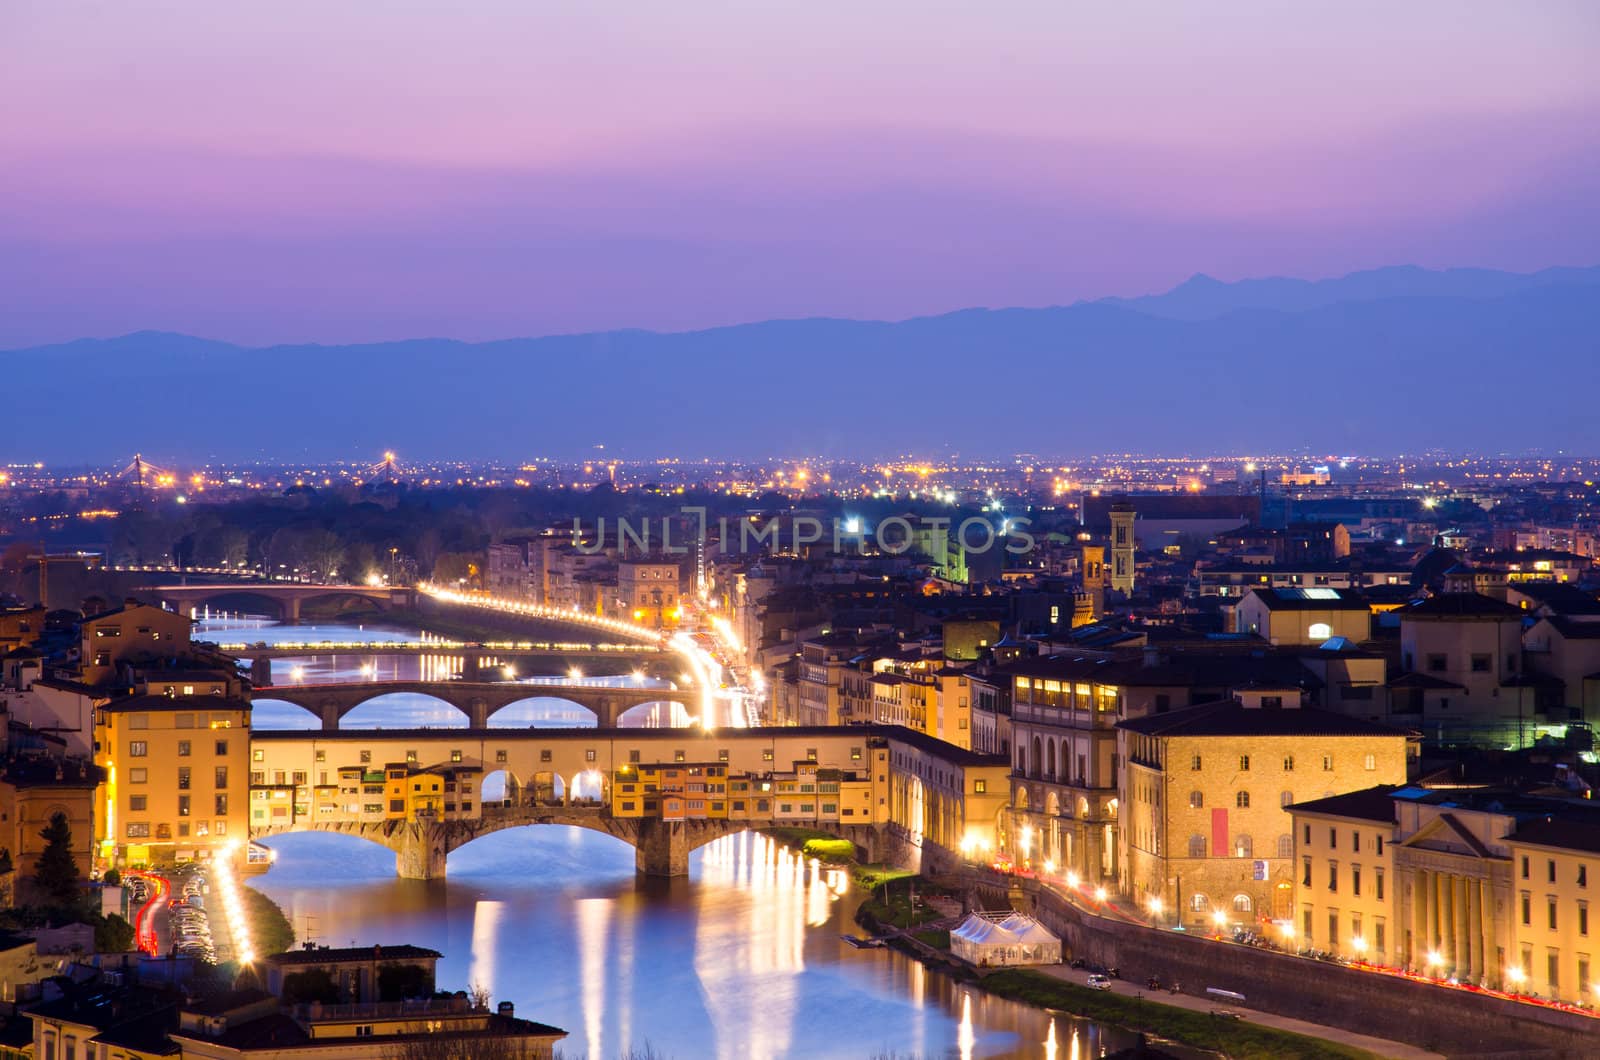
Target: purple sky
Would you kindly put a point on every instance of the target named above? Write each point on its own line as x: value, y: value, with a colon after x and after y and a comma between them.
x: 304, y: 170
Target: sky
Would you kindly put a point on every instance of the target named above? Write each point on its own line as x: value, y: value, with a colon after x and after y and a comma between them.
x: 295, y: 170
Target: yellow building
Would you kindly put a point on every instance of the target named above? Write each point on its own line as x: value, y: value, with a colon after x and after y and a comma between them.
x: 1345, y: 898
x: 1555, y: 866
x: 1205, y: 791
x: 671, y: 791
x: 175, y: 777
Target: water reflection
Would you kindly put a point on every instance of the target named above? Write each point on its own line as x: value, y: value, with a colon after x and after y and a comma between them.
x: 743, y: 959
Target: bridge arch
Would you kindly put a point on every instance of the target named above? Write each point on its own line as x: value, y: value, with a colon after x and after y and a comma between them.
x: 656, y: 714
x: 542, y: 711
x: 274, y: 714
x: 403, y: 710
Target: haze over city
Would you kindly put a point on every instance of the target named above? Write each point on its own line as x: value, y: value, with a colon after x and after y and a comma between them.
x: 770, y: 530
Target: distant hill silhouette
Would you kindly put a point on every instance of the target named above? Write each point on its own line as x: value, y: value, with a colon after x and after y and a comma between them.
x: 1375, y: 362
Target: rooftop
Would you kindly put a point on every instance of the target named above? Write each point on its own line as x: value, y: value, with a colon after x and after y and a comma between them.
x: 1230, y: 718
x: 1369, y: 804
x: 1460, y: 605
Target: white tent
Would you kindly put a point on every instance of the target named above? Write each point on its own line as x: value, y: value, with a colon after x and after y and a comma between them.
x: 994, y: 939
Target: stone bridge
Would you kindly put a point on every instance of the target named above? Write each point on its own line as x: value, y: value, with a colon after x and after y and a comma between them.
x: 478, y: 700
x: 284, y: 597
x: 661, y: 847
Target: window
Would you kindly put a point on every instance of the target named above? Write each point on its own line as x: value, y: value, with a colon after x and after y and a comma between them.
x: 1380, y: 846
x: 1199, y: 903
x: 1308, y: 835
x: 588, y: 754
x: 1288, y: 763
x: 138, y: 803
x: 1197, y: 846
x: 1379, y: 935
x: 138, y: 830
x: 1242, y: 846
x: 1527, y: 909
x: 1333, y: 876
x: 1552, y: 967
x: 544, y: 754
x: 366, y: 757
x: 258, y: 755
x: 1550, y: 871
x: 1327, y: 763
x: 222, y: 747
x: 1194, y: 763
x: 138, y: 775
x: 1436, y: 663
x: 980, y: 787
x: 1583, y: 875
x: 1333, y: 927
x: 1524, y: 866
x: 1550, y: 912
x: 138, y: 749
x: 1369, y: 763
x: 1305, y: 876
x: 1377, y: 886
x: 1355, y: 841
x: 322, y: 756
x: 138, y: 721
x: 1197, y: 800
x: 183, y: 748
x: 222, y: 778
x: 1583, y: 922
x: 679, y: 756
x: 1244, y: 763
x: 1242, y: 800
x: 455, y: 756
x: 1480, y: 664
x: 183, y: 778
x: 1355, y: 880
x: 183, y: 805
x: 1242, y: 903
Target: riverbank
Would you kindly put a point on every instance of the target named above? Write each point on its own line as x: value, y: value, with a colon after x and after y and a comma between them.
x: 914, y: 915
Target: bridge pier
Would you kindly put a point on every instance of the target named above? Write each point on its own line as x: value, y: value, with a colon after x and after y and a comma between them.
x: 330, y: 717
x: 661, y: 848
x: 291, y: 609
x: 478, y: 711
x: 421, y: 852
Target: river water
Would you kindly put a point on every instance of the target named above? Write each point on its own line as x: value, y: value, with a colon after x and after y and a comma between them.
x: 742, y: 959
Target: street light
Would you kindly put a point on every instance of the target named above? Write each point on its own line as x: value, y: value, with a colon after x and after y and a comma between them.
x: 1100, y: 894
x: 1436, y: 961
x: 1220, y: 919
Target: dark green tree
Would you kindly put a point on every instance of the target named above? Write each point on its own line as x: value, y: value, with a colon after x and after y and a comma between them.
x: 56, y: 870
x: 112, y: 934
x: 313, y: 984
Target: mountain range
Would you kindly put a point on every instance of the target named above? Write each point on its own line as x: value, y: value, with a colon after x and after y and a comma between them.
x: 1383, y: 361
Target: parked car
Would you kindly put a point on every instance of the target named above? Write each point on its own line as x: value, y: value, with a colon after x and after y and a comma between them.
x: 1099, y: 982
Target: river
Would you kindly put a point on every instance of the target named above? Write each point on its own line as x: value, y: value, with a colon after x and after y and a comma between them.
x: 741, y: 960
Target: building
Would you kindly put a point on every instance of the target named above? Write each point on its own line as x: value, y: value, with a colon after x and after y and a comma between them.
x: 176, y: 770
x: 1124, y: 546
x: 1345, y: 898
x: 671, y: 791
x: 647, y: 593
x: 1469, y: 649
x: 1304, y: 616
x: 134, y: 633
x: 1555, y: 865
x: 1205, y: 793
x: 36, y: 786
x: 357, y: 972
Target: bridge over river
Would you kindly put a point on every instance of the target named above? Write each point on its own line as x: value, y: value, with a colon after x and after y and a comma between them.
x: 478, y: 700
x: 916, y: 797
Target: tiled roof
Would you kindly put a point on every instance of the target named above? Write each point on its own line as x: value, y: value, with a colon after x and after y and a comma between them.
x: 1230, y: 718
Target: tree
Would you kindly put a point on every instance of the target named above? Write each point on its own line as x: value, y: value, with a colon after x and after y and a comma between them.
x: 56, y: 871
x: 397, y: 982
x: 112, y: 934
x: 313, y: 984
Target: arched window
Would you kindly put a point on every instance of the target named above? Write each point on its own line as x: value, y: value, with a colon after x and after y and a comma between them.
x: 1242, y: 903
x: 1038, y: 756
x: 1286, y: 846
x: 1320, y: 631
x: 1242, y: 846
x: 1242, y: 800
x: 1050, y: 759
x: 1197, y: 801
x: 1199, y: 903
x: 1197, y: 846
x: 1285, y: 799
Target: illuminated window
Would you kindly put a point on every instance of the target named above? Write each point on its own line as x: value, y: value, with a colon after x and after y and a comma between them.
x: 1320, y: 631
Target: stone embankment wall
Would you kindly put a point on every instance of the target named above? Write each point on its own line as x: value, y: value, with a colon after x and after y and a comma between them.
x: 1452, y: 1022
